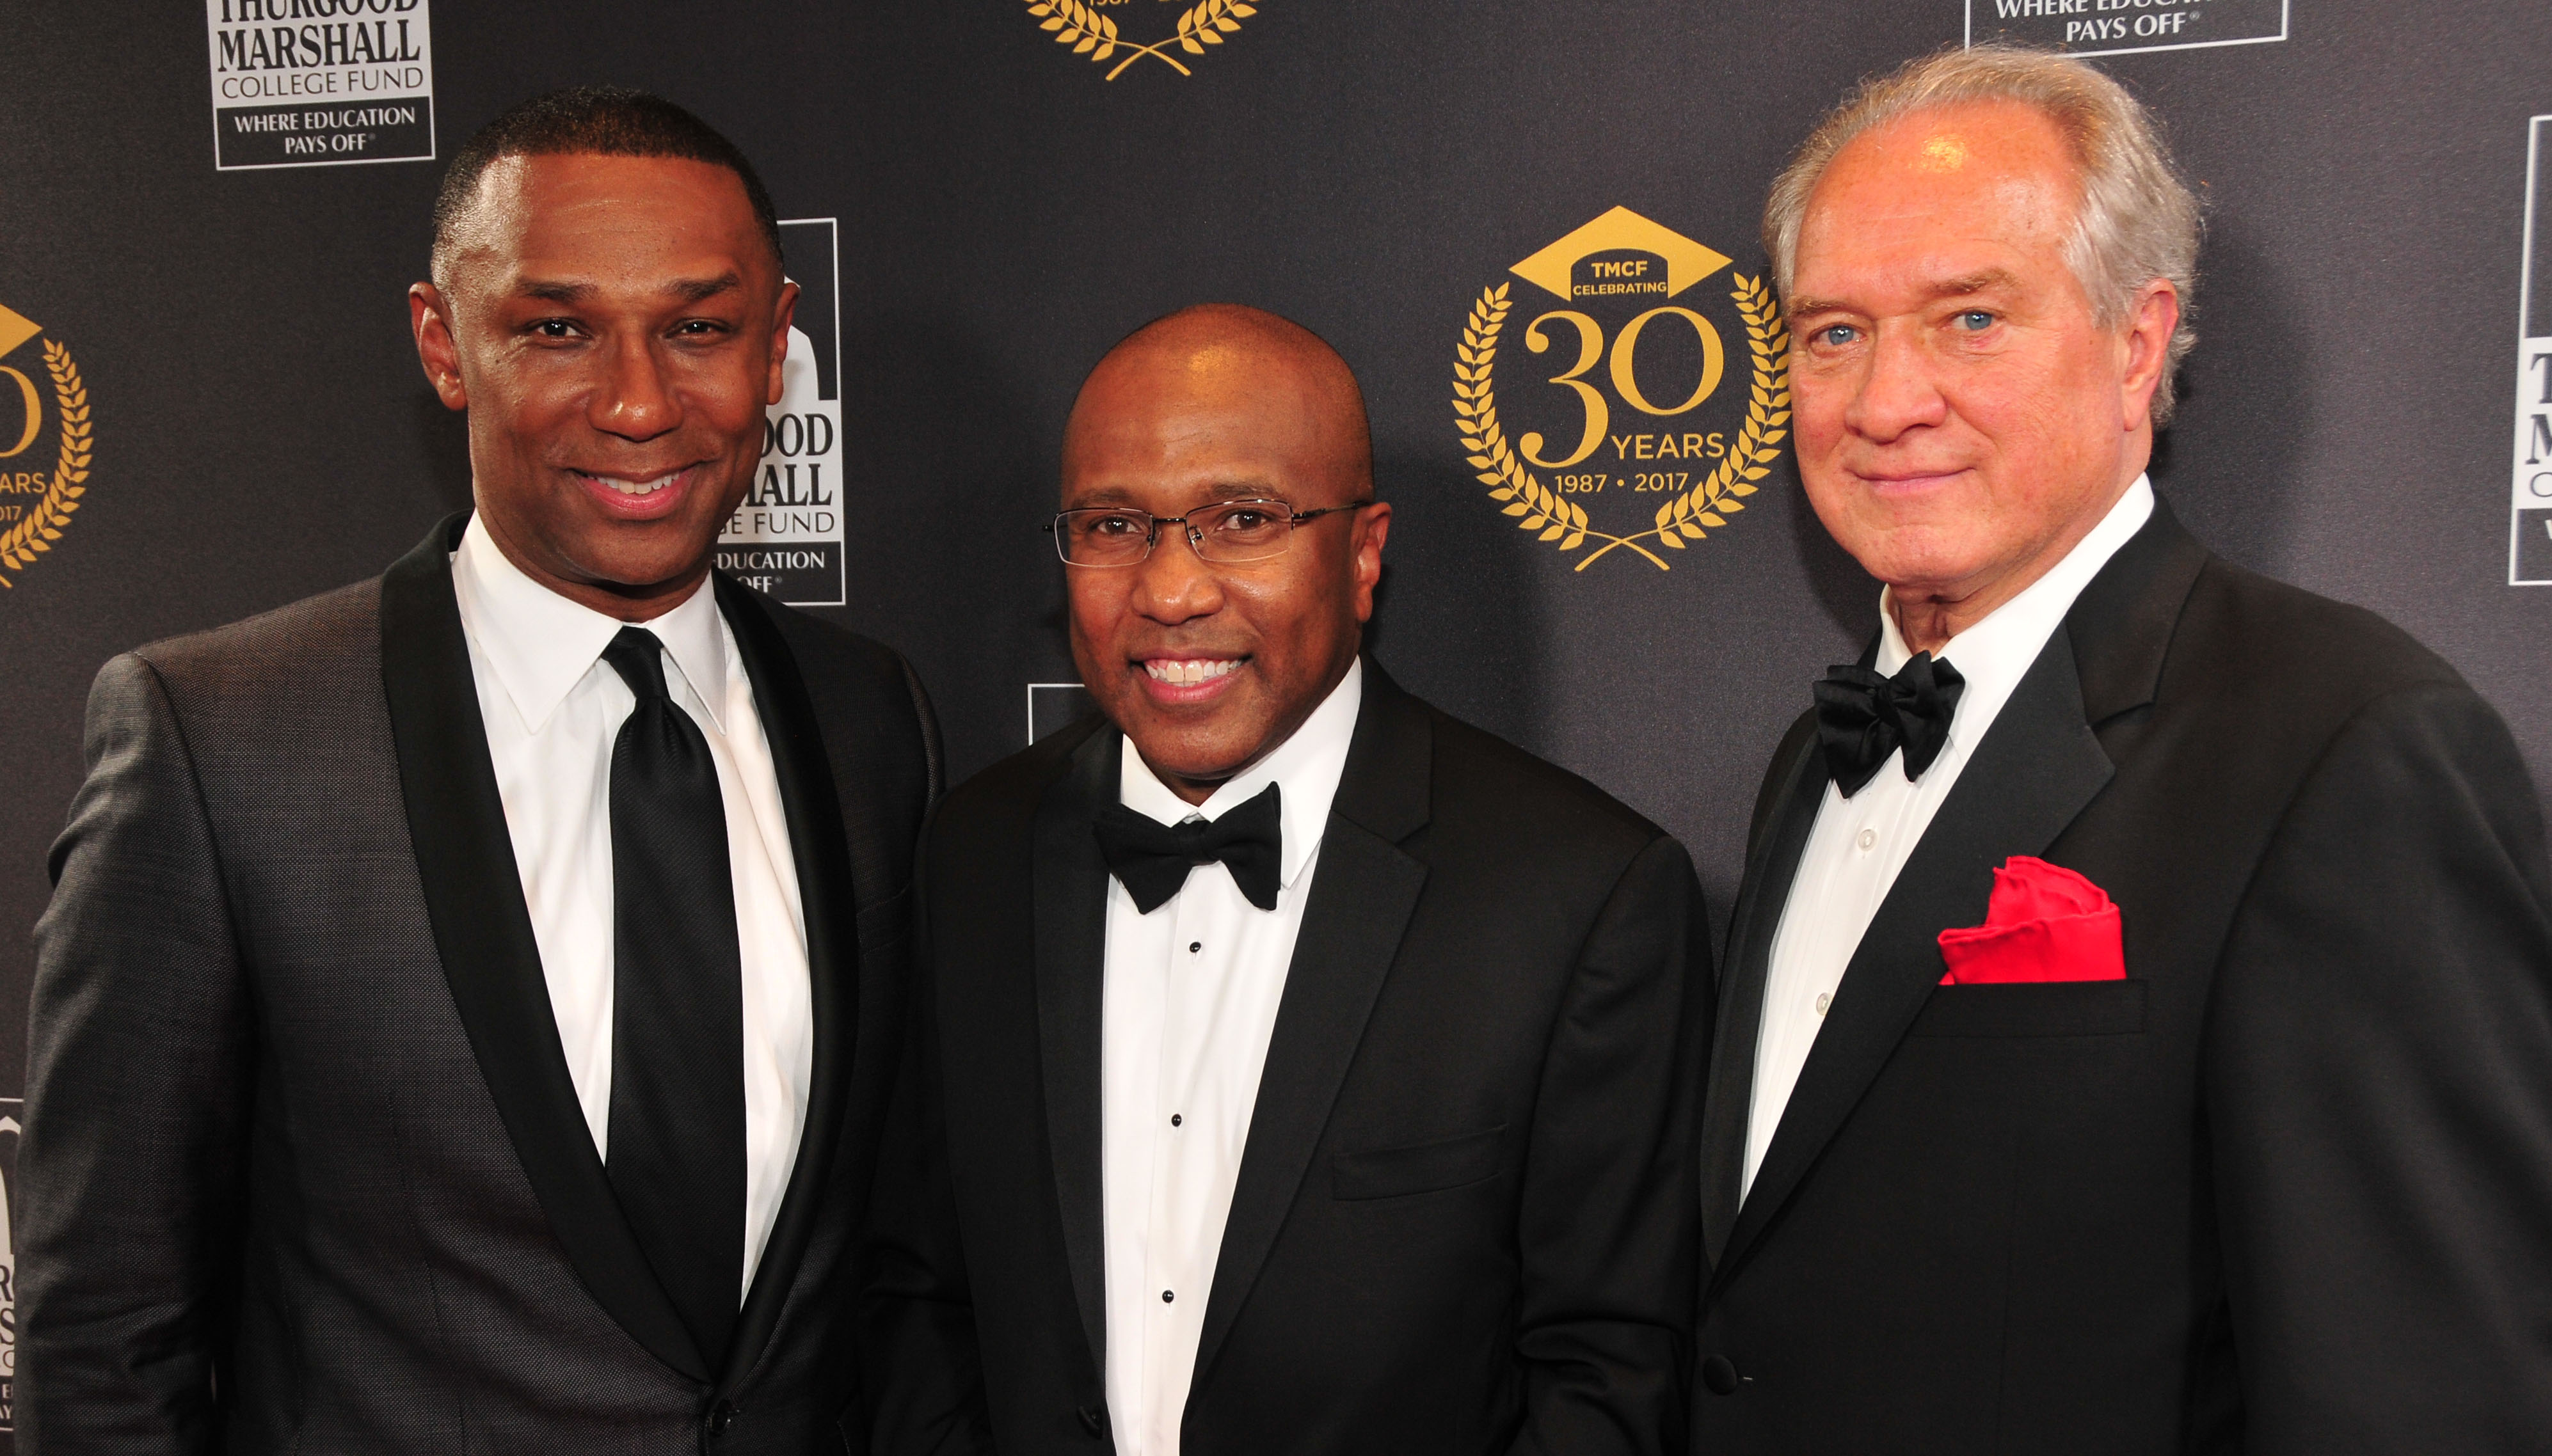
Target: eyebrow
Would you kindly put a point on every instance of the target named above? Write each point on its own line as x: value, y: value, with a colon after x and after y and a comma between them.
x: 1121, y: 496
x: 1957, y: 287
x: 556, y: 292
x: 695, y: 290
x: 688, y: 290
x: 1973, y: 283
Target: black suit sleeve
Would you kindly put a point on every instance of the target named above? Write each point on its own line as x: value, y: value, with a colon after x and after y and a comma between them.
x: 1609, y: 1226
x: 2378, y: 1095
x: 924, y: 1374
x: 139, y: 1072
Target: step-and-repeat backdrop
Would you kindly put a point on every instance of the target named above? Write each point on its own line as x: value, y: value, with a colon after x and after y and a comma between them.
x: 209, y: 404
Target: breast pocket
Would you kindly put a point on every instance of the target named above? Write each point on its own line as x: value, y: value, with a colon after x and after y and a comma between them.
x: 2036, y: 1008
x: 1422, y: 1168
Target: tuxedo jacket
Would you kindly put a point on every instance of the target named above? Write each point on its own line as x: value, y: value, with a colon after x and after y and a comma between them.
x: 1464, y: 1218
x: 2287, y: 1188
x: 303, y: 1167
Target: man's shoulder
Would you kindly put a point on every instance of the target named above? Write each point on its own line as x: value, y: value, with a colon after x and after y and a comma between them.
x: 1008, y: 793
x: 1482, y: 785
x: 2308, y: 656
x: 320, y: 641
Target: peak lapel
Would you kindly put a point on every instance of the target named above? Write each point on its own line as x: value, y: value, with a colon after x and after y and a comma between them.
x: 827, y: 900
x: 1071, y: 899
x: 473, y: 899
x: 2037, y: 768
x: 1363, y: 892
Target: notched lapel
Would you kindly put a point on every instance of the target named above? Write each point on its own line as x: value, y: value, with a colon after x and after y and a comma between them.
x: 2037, y: 768
x: 1363, y: 890
x: 473, y: 899
x: 828, y: 901
x: 1071, y: 899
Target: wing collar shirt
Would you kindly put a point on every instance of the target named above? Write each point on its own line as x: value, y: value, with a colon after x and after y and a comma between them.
x: 1192, y: 991
x: 1858, y: 844
x: 552, y: 709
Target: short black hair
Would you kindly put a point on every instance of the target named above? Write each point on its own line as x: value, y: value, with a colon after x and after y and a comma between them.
x: 611, y: 121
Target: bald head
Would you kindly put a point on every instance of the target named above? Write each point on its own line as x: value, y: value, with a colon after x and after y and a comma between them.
x: 1263, y: 382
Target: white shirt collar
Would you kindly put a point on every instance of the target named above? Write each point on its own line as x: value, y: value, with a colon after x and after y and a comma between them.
x: 1992, y: 655
x: 1307, y: 765
x: 542, y: 645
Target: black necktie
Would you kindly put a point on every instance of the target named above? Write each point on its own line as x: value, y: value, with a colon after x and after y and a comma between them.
x: 676, y: 1138
x: 1863, y: 717
x: 1152, y: 858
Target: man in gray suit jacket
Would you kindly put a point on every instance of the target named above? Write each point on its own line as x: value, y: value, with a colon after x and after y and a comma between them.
x: 466, y: 1010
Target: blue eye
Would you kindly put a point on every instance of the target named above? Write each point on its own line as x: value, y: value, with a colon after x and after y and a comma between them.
x: 1976, y: 320
x: 1835, y: 336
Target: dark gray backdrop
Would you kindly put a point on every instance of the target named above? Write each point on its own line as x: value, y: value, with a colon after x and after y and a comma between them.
x: 263, y: 431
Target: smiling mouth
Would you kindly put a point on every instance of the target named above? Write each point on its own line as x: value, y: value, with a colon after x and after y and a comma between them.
x: 1189, y: 672
x: 633, y: 487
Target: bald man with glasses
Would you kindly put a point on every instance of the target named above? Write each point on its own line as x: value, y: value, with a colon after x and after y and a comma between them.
x: 1298, y: 1069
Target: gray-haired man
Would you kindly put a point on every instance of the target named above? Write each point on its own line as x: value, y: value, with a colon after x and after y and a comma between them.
x: 2137, y: 1028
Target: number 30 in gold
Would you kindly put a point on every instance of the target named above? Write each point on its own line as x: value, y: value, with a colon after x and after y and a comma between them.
x: 1625, y: 373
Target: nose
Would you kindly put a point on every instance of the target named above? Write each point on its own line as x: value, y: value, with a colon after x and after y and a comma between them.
x: 1897, y: 392
x: 1173, y: 584
x: 633, y: 402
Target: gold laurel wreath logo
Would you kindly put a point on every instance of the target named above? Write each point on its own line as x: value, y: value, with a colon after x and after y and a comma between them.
x: 20, y: 544
x: 1689, y: 516
x: 1079, y: 24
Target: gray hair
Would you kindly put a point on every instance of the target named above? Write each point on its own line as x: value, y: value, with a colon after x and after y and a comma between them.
x: 2138, y: 221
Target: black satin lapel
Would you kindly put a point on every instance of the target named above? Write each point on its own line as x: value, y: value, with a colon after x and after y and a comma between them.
x: 1800, y: 775
x: 474, y: 898
x: 1071, y: 895
x: 2121, y: 625
x: 1363, y: 889
x: 1363, y: 892
x: 828, y: 901
x: 2035, y: 769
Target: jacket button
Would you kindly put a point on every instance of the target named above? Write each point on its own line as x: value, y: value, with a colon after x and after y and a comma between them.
x: 1720, y: 1374
x: 721, y: 1415
x: 1094, y: 1420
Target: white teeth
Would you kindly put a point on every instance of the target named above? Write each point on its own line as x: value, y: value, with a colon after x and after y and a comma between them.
x: 1191, y: 671
x: 640, y: 488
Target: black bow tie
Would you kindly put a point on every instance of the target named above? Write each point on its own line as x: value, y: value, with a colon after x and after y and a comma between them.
x: 1152, y: 858
x: 1863, y: 717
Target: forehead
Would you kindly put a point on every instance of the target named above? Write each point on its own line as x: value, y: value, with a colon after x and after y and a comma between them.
x: 584, y: 212
x: 1952, y: 180
x: 1217, y: 421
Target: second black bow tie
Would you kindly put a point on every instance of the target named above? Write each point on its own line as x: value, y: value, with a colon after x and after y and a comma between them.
x: 1152, y: 858
x: 1863, y: 717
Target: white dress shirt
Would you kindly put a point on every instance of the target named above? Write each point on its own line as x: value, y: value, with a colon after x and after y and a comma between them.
x: 553, y: 708
x: 1860, y: 843
x: 1192, y: 991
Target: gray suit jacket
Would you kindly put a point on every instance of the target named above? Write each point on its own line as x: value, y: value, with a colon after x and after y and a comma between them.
x: 303, y: 1168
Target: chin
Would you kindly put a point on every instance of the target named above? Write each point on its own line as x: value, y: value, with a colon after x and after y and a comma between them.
x: 1198, y: 757
x: 640, y: 568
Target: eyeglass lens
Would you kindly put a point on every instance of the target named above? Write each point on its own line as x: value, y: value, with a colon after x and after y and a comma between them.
x: 1233, y: 532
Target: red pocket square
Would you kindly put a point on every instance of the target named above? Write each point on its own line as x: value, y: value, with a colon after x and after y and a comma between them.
x: 2044, y: 923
